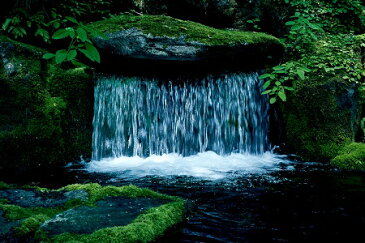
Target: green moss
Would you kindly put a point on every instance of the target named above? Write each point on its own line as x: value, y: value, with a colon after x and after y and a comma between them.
x: 147, y: 227
x: 158, y: 25
x: 4, y: 185
x: 23, y: 46
x: 317, y: 123
x: 31, y: 224
x: 351, y: 157
x: 75, y: 87
x: 98, y: 192
x: 14, y: 212
x: 4, y: 201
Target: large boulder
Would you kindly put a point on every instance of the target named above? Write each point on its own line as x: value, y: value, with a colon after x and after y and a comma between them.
x: 320, y: 117
x: 45, y: 111
x: 165, y: 38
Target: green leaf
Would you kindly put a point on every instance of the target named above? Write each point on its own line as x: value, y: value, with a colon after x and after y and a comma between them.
x: 296, y: 27
x: 290, y: 23
x: 272, y: 100
x: 81, y: 33
x: 6, y: 24
x: 78, y: 64
x: 306, y: 69
x: 280, y: 71
x: 266, y: 92
x: 71, y: 55
x: 314, y: 26
x: 56, y: 25
x: 289, y: 88
x: 300, y: 73
x: 91, y: 52
x: 266, y: 84
x: 23, y: 31
x: 60, y: 34
x: 278, y: 68
x: 71, y: 32
x: 263, y: 76
x: 61, y: 56
x: 282, y: 95
x: 48, y: 56
x: 73, y: 20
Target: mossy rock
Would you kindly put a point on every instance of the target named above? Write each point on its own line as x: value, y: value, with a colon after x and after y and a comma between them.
x: 154, y: 37
x: 320, y: 117
x: 45, y: 110
x: 140, y: 215
x: 351, y: 157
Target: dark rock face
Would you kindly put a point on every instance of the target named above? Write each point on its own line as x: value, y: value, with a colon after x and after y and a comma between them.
x: 117, y: 211
x: 134, y: 43
x: 6, y: 50
x: 132, y: 49
x: 33, y: 198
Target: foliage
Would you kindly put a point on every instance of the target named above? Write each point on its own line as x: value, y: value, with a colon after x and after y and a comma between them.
x: 22, y: 22
x: 335, y: 16
x: 312, y: 48
x: 302, y: 34
x: 300, y: 40
x: 79, y: 37
x: 74, y: 34
x: 278, y: 80
x: 254, y: 24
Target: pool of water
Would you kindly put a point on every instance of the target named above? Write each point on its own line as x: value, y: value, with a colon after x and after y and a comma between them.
x: 284, y: 202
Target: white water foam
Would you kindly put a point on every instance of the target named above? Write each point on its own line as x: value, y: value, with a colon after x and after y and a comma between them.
x: 206, y: 165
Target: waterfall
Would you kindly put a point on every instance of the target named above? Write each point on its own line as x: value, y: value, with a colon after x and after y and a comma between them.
x: 136, y: 116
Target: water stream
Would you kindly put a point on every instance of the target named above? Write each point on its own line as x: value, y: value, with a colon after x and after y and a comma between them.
x: 142, y: 117
x: 205, y: 127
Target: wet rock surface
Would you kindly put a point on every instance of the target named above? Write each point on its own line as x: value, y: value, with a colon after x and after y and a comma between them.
x: 134, y: 43
x: 113, y: 211
x: 34, y: 198
x: 6, y: 228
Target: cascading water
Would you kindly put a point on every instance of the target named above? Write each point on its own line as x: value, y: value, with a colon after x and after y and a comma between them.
x: 190, y: 127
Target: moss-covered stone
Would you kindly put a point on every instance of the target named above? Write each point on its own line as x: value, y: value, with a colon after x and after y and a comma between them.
x: 319, y: 118
x: 351, y: 157
x: 45, y: 110
x: 164, y: 43
x: 158, y: 25
x: 147, y: 227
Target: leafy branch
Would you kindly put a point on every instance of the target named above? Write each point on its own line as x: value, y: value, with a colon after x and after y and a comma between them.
x: 79, y: 38
x: 282, y: 78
